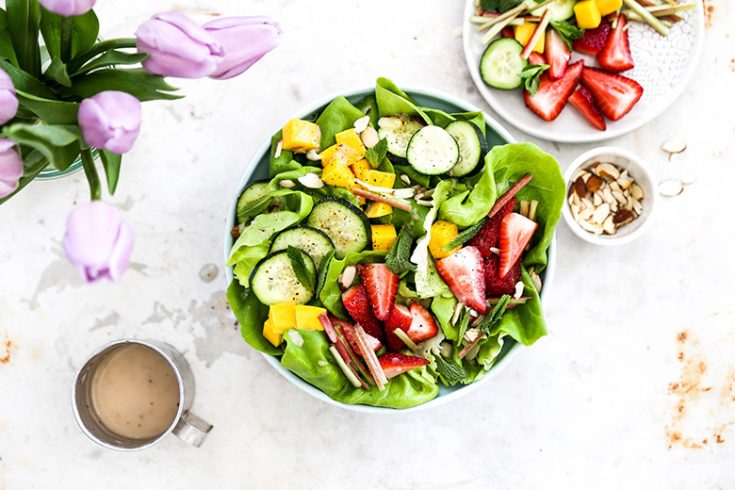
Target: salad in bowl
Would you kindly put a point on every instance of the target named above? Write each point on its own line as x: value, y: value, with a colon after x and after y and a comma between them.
x: 395, y: 250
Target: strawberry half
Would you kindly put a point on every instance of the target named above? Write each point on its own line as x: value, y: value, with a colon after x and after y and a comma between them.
x: 357, y: 304
x: 615, y: 54
x: 515, y: 232
x: 348, y: 330
x: 381, y: 285
x: 552, y: 95
x: 614, y: 94
x: 593, y: 40
x: 464, y: 272
x: 423, y: 326
x: 557, y: 54
x: 400, y: 317
x: 494, y: 284
x: 394, y: 363
x: 536, y: 58
x: 582, y: 101
x: 489, y: 235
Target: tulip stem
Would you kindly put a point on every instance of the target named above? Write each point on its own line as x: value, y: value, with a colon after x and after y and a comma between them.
x: 65, y: 41
x: 90, y: 171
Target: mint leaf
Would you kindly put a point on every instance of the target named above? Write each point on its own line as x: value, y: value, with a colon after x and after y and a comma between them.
x: 531, y: 76
x: 323, y: 268
x: 462, y: 323
x: 377, y: 153
x: 489, y: 5
x: 505, y: 5
x: 298, y: 264
x: 253, y: 208
x: 397, y: 259
x: 465, y: 236
x: 450, y: 372
x: 492, y: 318
x: 568, y: 32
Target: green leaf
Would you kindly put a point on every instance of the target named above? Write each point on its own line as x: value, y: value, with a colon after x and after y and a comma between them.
x: 6, y: 42
x: 23, y: 20
x: 568, y: 32
x: 253, y: 208
x: 338, y: 116
x: 450, y: 372
x: 56, y: 71
x: 531, y: 76
x: 111, y: 58
x: 251, y: 314
x: 137, y: 82
x: 59, y: 144
x: 462, y: 323
x: 398, y: 257
x: 24, y: 81
x: 111, y: 163
x: 50, y: 111
x: 465, y: 236
x: 377, y: 153
x: 300, y: 269
x: 323, y: 269
x: 494, y: 317
x: 84, y: 31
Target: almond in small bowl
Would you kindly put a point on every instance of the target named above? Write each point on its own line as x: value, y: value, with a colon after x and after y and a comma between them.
x: 610, y: 196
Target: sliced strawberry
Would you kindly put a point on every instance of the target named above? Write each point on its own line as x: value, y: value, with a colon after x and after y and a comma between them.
x: 394, y: 363
x: 381, y: 285
x: 614, y: 94
x: 489, y: 235
x: 400, y: 317
x: 494, y: 284
x: 464, y: 272
x: 357, y: 304
x: 552, y: 95
x: 423, y: 326
x: 557, y: 54
x: 582, y: 101
x: 515, y: 232
x: 348, y: 330
x: 536, y: 58
x: 615, y: 54
x: 593, y: 40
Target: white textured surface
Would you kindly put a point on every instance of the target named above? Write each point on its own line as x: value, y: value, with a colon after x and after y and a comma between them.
x: 587, y: 407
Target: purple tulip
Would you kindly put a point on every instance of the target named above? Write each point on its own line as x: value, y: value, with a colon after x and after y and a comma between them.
x: 244, y: 40
x: 97, y: 241
x: 68, y: 8
x: 177, y: 47
x: 110, y: 120
x: 11, y: 167
x: 8, y: 102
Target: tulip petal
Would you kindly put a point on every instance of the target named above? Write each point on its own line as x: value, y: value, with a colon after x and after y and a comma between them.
x: 245, y: 40
x: 120, y: 255
x: 11, y: 167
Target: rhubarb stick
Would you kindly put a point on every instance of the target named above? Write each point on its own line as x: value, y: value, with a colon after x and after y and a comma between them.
x: 508, y: 195
x: 537, y: 33
x: 648, y: 17
x: 370, y: 358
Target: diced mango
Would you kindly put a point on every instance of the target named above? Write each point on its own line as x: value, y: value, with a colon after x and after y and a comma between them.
x: 360, y: 169
x: 307, y: 317
x: 338, y: 176
x: 378, y: 209
x: 271, y: 335
x: 380, y: 179
x: 383, y: 236
x: 442, y: 232
x: 350, y: 138
x: 608, y: 6
x: 340, y: 154
x: 282, y: 316
x: 587, y: 14
x: 298, y: 135
x: 524, y: 32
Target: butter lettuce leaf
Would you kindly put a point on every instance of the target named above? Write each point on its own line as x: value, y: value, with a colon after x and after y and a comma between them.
x: 469, y: 207
x: 339, y: 115
x: 331, y: 294
x: 525, y: 323
x: 251, y: 314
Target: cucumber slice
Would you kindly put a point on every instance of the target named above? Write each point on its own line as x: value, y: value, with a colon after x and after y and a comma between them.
x: 432, y: 151
x: 501, y: 64
x: 344, y: 224
x: 397, y: 131
x: 274, y: 281
x: 558, y: 9
x: 314, y: 242
x: 471, y: 146
x: 251, y: 194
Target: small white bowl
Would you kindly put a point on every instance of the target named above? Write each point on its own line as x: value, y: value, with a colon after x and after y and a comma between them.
x: 638, y: 170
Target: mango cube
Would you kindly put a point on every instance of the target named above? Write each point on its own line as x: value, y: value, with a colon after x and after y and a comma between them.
x: 608, y: 6
x: 587, y: 14
x: 442, y: 232
x: 340, y: 154
x: 380, y: 179
x: 307, y: 317
x: 300, y: 136
x: 523, y: 34
x: 383, y: 236
x: 271, y: 335
x: 351, y: 139
x: 282, y: 316
x: 361, y: 168
x: 378, y: 209
x: 338, y: 175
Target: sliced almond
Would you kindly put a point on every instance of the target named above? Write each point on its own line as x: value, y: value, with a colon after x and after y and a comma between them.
x: 592, y: 228
x: 614, y: 186
x: 587, y: 202
x: 629, y: 203
x: 609, y: 226
x: 607, y: 171
x: 495, y: 250
x: 636, y: 192
x: 601, y: 213
x: 586, y: 213
x: 608, y: 197
x: 596, y: 199
x: 670, y: 188
x: 594, y: 183
x: 369, y: 137
x: 536, y: 281
x: 287, y: 184
x: 279, y: 148
x: 623, y: 217
x: 311, y: 181
x: 406, y: 179
x: 518, y: 290
x: 638, y: 208
x: 674, y: 146
x: 313, y: 155
x: 347, y: 277
x: 618, y: 195
x: 390, y: 123
x: 361, y: 124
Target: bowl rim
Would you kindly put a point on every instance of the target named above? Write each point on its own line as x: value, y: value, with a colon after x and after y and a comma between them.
x: 609, y: 241
x: 309, y: 108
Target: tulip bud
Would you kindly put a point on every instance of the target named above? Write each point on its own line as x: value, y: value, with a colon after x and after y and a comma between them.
x: 244, y: 41
x: 110, y: 120
x: 11, y: 167
x: 8, y: 102
x: 177, y: 47
x: 97, y: 241
x: 68, y: 8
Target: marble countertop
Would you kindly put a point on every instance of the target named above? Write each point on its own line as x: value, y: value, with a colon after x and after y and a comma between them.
x: 633, y: 388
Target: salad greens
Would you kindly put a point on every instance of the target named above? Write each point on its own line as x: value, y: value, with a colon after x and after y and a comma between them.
x: 394, y: 233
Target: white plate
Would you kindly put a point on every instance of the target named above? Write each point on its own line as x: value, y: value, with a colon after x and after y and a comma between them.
x: 664, y: 66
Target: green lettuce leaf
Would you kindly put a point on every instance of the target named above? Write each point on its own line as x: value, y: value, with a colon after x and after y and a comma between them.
x: 284, y: 161
x: 337, y: 116
x: 526, y: 323
x: 331, y: 294
x: 443, y: 309
x: 392, y: 100
x: 251, y: 314
x: 470, y: 206
x: 246, y: 260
